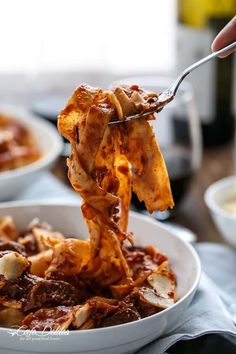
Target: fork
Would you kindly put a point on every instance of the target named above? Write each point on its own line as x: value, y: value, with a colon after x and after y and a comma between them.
x: 169, y: 94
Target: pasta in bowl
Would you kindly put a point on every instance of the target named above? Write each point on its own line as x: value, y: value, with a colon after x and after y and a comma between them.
x: 119, y: 338
x: 30, y: 146
x: 17, y: 144
x: 49, y: 279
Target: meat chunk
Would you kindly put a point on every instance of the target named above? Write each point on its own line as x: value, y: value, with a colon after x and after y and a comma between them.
x: 124, y: 315
x: 47, y: 319
x: 50, y: 293
x: 12, y: 246
x: 94, y: 311
x: 143, y: 308
x: 29, y: 243
x: 18, y: 288
x: 33, y: 292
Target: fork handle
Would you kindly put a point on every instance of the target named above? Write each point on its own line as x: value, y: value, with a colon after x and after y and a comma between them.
x: 192, y: 67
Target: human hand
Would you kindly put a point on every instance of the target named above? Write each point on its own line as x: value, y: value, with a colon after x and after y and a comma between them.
x: 226, y: 36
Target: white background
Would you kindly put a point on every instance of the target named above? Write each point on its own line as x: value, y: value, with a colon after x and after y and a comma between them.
x: 119, y: 36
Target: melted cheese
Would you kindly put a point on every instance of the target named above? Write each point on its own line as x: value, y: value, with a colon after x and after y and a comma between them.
x: 12, y: 265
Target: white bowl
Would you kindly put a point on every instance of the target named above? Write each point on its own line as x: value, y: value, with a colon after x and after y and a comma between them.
x: 50, y: 145
x: 215, y: 196
x: 126, y: 338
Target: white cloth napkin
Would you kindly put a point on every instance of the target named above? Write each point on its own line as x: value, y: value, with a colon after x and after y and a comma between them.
x: 214, y: 304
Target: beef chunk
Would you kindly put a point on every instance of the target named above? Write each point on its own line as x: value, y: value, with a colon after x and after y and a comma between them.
x: 55, y: 318
x: 18, y: 289
x: 30, y: 244
x: 47, y: 293
x: 12, y: 246
x: 34, y: 292
x: 143, y: 308
x: 124, y: 315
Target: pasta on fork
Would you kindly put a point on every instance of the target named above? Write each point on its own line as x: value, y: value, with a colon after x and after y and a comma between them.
x: 107, y: 161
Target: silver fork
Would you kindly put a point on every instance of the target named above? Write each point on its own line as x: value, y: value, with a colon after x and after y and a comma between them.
x: 169, y: 94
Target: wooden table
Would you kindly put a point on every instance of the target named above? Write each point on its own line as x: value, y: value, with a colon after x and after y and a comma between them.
x: 192, y: 213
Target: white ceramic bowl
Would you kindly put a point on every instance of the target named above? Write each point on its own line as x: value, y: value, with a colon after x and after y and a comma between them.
x: 215, y: 196
x: 49, y: 142
x: 126, y: 338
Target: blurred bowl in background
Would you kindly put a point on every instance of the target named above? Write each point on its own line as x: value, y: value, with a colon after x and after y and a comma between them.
x: 50, y: 145
x: 220, y: 199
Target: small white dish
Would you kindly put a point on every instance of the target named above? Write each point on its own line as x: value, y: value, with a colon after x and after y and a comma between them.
x: 216, y: 196
x: 126, y: 338
x: 50, y: 145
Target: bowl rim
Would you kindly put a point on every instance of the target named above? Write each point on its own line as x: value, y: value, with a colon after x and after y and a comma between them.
x: 41, y: 203
x: 45, y: 159
x: 210, y: 192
